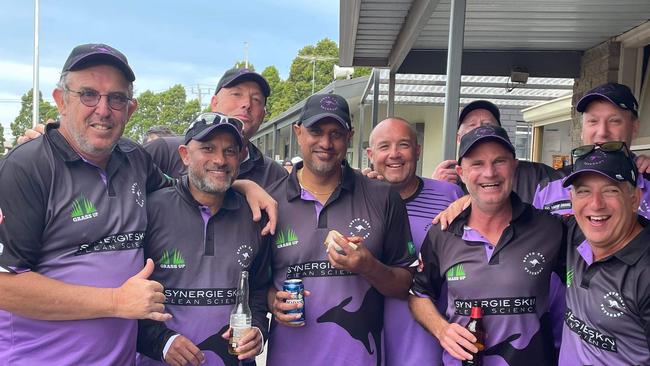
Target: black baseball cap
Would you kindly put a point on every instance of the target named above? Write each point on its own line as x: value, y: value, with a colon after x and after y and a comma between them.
x: 320, y: 106
x: 618, y: 94
x: 235, y: 76
x: 206, y: 123
x: 93, y: 54
x: 480, y: 104
x: 615, y: 165
x: 482, y: 134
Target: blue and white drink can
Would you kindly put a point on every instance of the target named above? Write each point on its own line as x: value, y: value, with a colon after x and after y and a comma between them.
x: 297, y: 289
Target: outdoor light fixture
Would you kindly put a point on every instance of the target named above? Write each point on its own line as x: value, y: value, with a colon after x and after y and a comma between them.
x: 518, y: 77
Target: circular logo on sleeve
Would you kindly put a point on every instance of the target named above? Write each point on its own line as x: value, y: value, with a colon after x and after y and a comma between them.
x: 139, y: 197
x: 359, y: 227
x: 534, y: 263
x: 612, y: 305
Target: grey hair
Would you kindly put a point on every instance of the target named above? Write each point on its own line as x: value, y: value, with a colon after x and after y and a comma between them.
x: 63, y: 84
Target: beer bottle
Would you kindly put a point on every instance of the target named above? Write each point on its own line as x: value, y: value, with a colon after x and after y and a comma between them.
x: 475, y: 326
x: 240, y: 316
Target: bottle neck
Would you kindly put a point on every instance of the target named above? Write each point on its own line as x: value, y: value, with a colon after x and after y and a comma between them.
x: 242, y: 289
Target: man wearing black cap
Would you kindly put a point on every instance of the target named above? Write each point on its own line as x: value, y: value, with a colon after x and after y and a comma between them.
x: 609, y: 113
x: 343, y: 314
x: 527, y: 175
x: 72, y: 225
x: 202, y: 248
x: 492, y: 256
x: 608, y: 263
x: 240, y: 93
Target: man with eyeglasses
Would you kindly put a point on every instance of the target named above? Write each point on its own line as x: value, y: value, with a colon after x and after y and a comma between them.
x: 200, y: 252
x: 609, y: 113
x: 240, y: 93
x: 608, y: 263
x: 72, y: 225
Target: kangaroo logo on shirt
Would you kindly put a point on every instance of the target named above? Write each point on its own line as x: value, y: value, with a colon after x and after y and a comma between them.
x: 139, y: 197
x: 359, y: 227
x: 172, y: 259
x: 612, y: 305
x: 83, y: 209
x: 534, y: 263
x: 244, y: 255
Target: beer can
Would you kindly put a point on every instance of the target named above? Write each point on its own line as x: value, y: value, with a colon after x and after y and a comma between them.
x: 297, y: 289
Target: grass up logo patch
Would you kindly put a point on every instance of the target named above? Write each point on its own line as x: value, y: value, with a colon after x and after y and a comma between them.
x: 286, y: 238
x: 172, y: 260
x: 410, y: 247
x: 569, y: 277
x: 82, y: 209
x: 456, y: 273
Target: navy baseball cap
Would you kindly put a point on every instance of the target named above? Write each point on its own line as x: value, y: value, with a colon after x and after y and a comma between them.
x: 206, y: 123
x: 482, y: 134
x: 617, y: 94
x: 615, y: 165
x: 93, y: 54
x: 235, y: 76
x: 320, y: 106
x: 480, y: 104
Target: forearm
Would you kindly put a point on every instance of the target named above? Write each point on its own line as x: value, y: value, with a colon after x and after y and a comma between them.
x: 389, y: 281
x: 152, y: 338
x: 426, y: 314
x: 35, y: 296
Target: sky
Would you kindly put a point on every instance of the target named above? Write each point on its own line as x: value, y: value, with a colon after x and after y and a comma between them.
x: 186, y: 42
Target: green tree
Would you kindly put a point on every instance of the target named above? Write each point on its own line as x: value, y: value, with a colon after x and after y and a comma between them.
x: 2, y: 139
x: 167, y: 108
x: 277, y: 102
x: 242, y: 64
x: 46, y: 111
x: 313, y: 62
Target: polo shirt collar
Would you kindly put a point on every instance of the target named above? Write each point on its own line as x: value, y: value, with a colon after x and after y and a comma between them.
x: 347, y: 181
x: 637, y: 247
x: 518, y: 210
x: 253, y: 159
x: 230, y: 201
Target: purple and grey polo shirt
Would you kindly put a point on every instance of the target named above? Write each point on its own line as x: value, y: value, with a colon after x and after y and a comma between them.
x: 258, y: 168
x: 608, y: 303
x: 407, y: 343
x: 510, y: 281
x: 343, y: 315
x: 551, y: 196
x: 69, y: 220
x: 199, y: 257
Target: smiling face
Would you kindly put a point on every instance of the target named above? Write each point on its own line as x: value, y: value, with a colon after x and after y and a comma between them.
x: 323, y: 145
x: 488, y: 171
x: 604, y: 209
x: 394, y: 151
x: 602, y: 121
x: 212, y: 164
x: 93, y: 131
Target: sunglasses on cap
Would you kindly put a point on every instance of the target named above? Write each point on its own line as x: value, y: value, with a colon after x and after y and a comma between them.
x: 608, y: 147
x: 214, y: 118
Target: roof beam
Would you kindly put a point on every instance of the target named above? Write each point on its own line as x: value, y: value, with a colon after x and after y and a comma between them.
x: 417, y: 18
x: 348, y: 26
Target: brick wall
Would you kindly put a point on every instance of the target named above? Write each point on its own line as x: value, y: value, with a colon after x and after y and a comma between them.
x: 599, y: 65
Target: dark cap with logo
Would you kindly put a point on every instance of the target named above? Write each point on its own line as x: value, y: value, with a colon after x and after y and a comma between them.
x: 615, y: 165
x: 320, y: 106
x: 236, y: 76
x: 483, y: 134
x: 480, y: 104
x: 617, y: 94
x: 93, y: 54
x: 206, y: 123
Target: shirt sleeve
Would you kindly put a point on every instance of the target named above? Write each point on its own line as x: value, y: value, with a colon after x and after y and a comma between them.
x: 399, y: 249
x: 153, y: 336
x: 156, y: 179
x: 23, y: 200
x: 427, y: 281
x: 259, y: 284
x: 643, y: 295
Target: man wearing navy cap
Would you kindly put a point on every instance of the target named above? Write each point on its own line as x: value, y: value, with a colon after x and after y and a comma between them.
x: 200, y: 251
x: 492, y: 255
x: 609, y: 113
x: 241, y: 93
x: 343, y: 314
x: 608, y: 263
